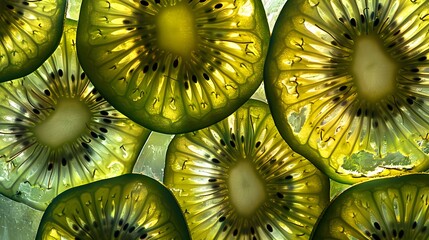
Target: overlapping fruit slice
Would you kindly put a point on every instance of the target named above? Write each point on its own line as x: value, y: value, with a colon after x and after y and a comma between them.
x: 30, y: 31
x: 388, y: 208
x: 130, y: 206
x: 347, y: 82
x: 174, y: 66
x: 57, y: 131
x: 238, y: 179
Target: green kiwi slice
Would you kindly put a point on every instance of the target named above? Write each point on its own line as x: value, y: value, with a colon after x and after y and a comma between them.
x: 384, y: 208
x: 238, y: 179
x: 174, y: 66
x: 57, y: 131
x: 30, y: 31
x: 347, y: 84
x: 131, y: 206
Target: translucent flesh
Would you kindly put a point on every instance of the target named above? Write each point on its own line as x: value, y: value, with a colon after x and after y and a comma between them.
x: 172, y: 87
x: 29, y: 33
x: 327, y: 112
x: 33, y: 170
x: 389, y: 208
x: 130, y: 206
x: 201, y: 169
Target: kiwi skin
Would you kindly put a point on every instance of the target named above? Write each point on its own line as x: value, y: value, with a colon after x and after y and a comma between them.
x: 383, y: 208
x: 305, y: 76
x: 172, y: 111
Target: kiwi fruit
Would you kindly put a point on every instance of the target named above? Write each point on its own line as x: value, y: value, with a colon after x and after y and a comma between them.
x: 383, y: 208
x: 57, y: 131
x: 131, y: 206
x: 174, y: 66
x: 30, y: 32
x: 347, y: 85
x: 238, y: 179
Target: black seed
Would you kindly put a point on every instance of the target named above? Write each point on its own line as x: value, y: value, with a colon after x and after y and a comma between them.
x: 219, y: 5
x: 50, y: 166
x: 10, y: 7
x: 362, y: 18
x: 126, y: 21
x: 269, y: 228
x: 132, y: 228
x: 60, y: 72
x: 47, y: 92
x: 288, y: 177
x: 225, y: 228
x: 286, y: 208
x: 417, y: 79
x: 126, y: 226
x: 155, y: 66
x: 86, y: 157
x: 353, y: 22
x: 392, y: 45
x: 52, y: 75
x: 175, y: 63
x: 347, y: 36
x: 394, y: 233
x: 232, y: 143
x: 336, y: 99
x: 201, y: 1
x: 95, y: 224
x: 258, y: 144
x: 375, y: 237
x: 116, y: 233
x: 144, y: 3
x: 421, y: 59
x: 252, y: 230
x: 410, y: 101
x: 206, y: 77
x: 85, y: 145
x: 414, y: 225
x: 98, y: 99
x: 215, y: 160
x: 212, y: 179
x: 94, y: 91
x: 414, y: 70
x: 235, y: 232
x: 145, y: 69
x: 186, y: 83
x: 106, y: 120
x: 101, y: 137
x: 397, y: 32
x: 75, y: 227
x: 342, y: 88
x: 36, y: 111
x: 334, y: 43
x: 221, y: 219
x: 401, y: 233
x: 376, y: 22
x: 82, y: 76
x: 102, y: 129
x: 389, y: 107
x: 359, y: 112
x: 73, y: 78
x: 341, y: 19
x: 25, y: 3
x: 377, y: 225
x: 63, y: 161
x: 215, y: 186
x: 222, y: 142
x: 280, y: 195
x: 94, y: 135
x: 157, y: 1
x: 104, y: 113
x: 194, y: 79
x: 375, y: 124
x: 367, y: 233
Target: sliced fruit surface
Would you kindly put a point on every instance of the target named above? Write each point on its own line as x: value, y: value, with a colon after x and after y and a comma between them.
x: 30, y: 31
x: 385, y: 208
x: 131, y: 206
x: 347, y: 84
x: 174, y: 66
x: 238, y: 179
x: 57, y: 131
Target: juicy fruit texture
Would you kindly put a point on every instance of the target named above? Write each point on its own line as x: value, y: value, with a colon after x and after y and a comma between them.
x: 387, y: 208
x: 30, y: 31
x: 57, y: 132
x: 174, y: 66
x: 130, y: 206
x: 239, y: 179
x: 347, y: 85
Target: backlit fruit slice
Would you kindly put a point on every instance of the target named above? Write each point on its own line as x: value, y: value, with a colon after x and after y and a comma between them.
x: 30, y: 31
x: 57, y: 132
x: 387, y: 208
x: 347, y: 83
x: 174, y: 66
x: 131, y: 206
x: 238, y: 179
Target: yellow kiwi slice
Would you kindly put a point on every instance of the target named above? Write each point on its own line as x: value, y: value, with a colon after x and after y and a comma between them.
x: 347, y: 82
x: 238, y: 179
x: 57, y: 131
x: 387, y: 208
x: 30, y: 31
x: 129, y: 207
x: 174, y: 66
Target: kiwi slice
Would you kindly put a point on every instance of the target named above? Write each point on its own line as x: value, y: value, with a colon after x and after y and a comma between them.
x: 384, y: 208
x: 239, y: 179
x: 131, y: 206
x: 347, y: 84
x: 174, y: 66
x: 57, y: 131
x: 30, y: 32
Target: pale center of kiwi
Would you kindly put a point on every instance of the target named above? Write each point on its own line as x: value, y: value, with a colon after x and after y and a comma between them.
x: 246, y: 188
x: 65, y: 124
x: 175, y: 26
x: 373, y: 68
